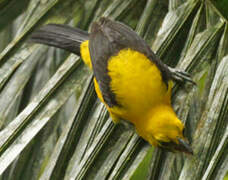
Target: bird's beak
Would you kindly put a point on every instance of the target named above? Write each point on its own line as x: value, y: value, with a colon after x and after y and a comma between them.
x: 184, y: 146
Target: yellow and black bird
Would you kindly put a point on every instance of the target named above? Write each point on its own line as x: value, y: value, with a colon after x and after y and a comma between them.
x: 129, y: 78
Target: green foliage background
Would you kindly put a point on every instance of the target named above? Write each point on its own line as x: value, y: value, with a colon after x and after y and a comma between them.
x: 52, y: 124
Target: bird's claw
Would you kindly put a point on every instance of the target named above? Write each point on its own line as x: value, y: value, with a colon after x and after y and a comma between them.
x: 181, y: 76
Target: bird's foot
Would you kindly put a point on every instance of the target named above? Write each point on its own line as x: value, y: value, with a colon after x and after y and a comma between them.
x: 181, y: 76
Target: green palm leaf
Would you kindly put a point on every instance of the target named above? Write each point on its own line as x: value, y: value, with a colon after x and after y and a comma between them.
x: 54, y: 127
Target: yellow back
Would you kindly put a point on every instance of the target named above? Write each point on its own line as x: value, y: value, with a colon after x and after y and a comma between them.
x: 84, y: 49
x: 143, y: 96
x: 137, y: 84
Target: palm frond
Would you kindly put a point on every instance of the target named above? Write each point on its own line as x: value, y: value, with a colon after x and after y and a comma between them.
x: 52, y: 124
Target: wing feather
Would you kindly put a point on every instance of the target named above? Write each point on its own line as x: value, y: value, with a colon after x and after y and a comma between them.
x: 106, y: 39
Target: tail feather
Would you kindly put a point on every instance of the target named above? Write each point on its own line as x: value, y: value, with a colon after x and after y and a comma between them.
x: 60, y: 36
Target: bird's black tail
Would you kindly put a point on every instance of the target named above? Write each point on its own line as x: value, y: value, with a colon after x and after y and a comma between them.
x: 61, y: 36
